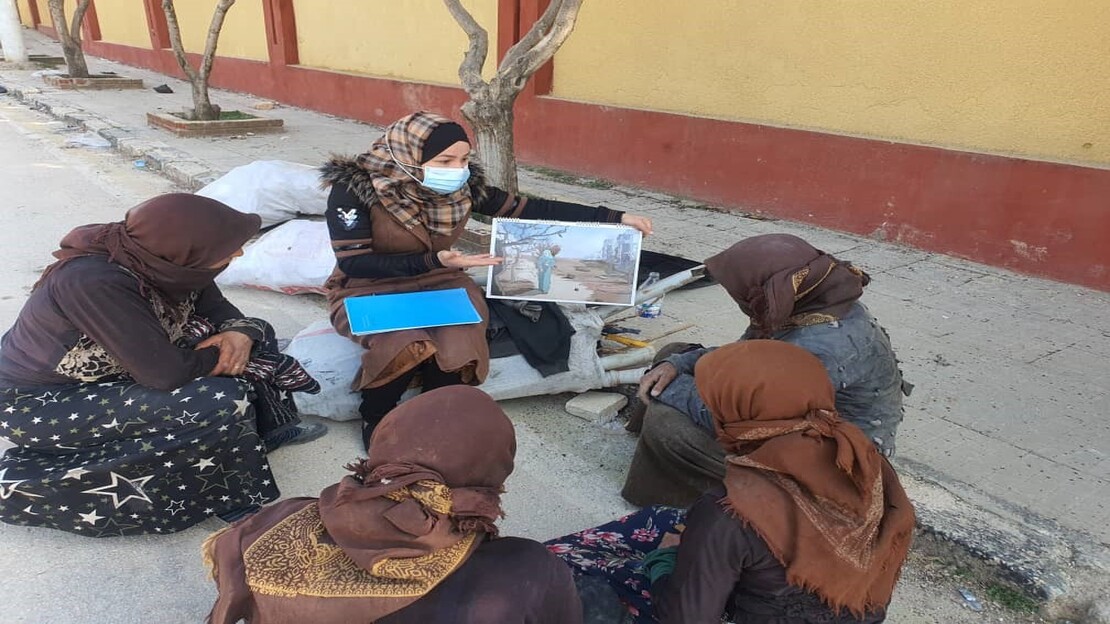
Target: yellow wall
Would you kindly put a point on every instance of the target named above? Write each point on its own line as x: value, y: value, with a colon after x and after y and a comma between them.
x: 406, y: 39
x: 1025, y: 77
x: 24, y: 7
x: 243, y: 34
x: 123, y: 22
x: 46, y: 19
x: 44, y: 13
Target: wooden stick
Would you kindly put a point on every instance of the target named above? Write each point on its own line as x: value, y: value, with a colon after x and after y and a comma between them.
x: 671, y: 333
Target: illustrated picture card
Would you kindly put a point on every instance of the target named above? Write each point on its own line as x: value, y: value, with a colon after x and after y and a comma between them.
x: 564, y: 262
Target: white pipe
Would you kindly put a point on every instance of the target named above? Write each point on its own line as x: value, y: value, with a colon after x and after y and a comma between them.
x: 658, y: 289
x: 628, y: 359
x: 11, y: 33
x: 622, y: 377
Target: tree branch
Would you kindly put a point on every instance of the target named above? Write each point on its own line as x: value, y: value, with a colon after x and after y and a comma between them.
x: 548, y: 232
x: 58, y: 16
x: 213, y: 37
x: 175, y: 40
x: 529, y: 40
x: 470, y: 70
x: 78, y: 19
x: 533, y: 59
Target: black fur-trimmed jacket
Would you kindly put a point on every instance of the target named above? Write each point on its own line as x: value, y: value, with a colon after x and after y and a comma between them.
x: 352, y: 195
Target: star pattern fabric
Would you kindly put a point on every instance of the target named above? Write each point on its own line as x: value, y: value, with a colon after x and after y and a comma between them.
x: 274, y: 376
x: 117, y: 458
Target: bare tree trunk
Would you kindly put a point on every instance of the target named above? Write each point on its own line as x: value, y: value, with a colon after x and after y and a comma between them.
x: 492, y: 122
x: 490, y: 107
x: 203, y: 110
x: 70, y: 36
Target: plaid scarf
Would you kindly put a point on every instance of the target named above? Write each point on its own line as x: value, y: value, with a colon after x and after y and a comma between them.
x: 395, y: 177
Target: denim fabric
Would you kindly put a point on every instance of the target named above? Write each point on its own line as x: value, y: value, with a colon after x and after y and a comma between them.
x: 862, y: 367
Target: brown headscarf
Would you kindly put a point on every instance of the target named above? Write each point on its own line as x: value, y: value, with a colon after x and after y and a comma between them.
x: 781, y: 281
x: 168, y: 242
x: 829, y: 507
x: 395, y: 160
x: 387, y: 535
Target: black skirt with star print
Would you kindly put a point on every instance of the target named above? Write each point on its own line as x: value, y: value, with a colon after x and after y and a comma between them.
x: 118, y: 458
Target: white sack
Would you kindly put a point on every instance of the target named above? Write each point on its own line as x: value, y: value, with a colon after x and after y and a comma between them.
x: 294, y: 258
x: 275, y: 190
x: 333, y: 361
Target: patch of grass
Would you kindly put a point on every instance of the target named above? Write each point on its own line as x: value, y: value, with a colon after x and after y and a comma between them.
x: 962, y: 572
x: 593, y: 183
x: 234, y: 115
x: 556, y: 176
x: 1012, y: 599
x: 570, y: 178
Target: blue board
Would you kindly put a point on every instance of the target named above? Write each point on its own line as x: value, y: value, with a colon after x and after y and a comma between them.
x: 376, y: 314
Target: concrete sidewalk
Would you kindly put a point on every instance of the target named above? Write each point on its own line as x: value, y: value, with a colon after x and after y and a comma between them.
x: 1006, y: 441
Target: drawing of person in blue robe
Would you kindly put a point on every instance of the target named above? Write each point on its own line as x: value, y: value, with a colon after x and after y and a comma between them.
x: 545, y: 264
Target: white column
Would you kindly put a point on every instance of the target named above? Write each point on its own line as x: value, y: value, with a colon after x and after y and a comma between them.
x: 11, y: 33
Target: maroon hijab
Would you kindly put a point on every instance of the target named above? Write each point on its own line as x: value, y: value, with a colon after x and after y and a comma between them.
x: 382, y: 538
x: 781, y: 281
x: 168, y: 242
x: 456, y: 436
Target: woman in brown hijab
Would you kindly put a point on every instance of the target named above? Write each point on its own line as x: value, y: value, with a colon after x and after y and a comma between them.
x: 411, y: 536
x: 810, y: 524
x: 133, y: 390
x: 790, y: 291
x: 394, y: 214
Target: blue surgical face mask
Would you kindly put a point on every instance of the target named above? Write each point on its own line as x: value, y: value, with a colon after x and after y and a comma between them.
x: 442, y: 180
x: 445, y: 180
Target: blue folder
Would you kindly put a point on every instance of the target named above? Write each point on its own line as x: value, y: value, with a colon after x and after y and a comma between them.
x: 376, y: 314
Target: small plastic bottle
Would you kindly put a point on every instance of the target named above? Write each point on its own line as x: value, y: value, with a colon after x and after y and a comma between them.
x: 654, y: 307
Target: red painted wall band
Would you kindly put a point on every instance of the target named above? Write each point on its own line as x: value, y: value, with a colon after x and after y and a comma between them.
x: 1036, y: 217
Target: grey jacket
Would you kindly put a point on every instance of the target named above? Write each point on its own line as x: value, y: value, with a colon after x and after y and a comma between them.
x: 861, y: 363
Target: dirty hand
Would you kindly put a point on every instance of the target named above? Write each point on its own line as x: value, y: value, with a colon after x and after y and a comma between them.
x: 459, y: 260
x: 656, y: 380
x: 640, y: 223
x: 235, y: 351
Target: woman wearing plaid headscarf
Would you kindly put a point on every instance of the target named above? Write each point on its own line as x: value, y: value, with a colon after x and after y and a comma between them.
x: 394, y: 214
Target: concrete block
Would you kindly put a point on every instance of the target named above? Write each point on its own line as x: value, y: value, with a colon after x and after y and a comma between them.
x: 186, y: 173
x: 200, y: 181
x: 97, y: 125
x: 132, y: 146
x: 93, y: 82
x: 116, y: 136
x: 159, y: 156
x: 59, y: 112
x: 596, y: 406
